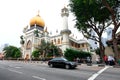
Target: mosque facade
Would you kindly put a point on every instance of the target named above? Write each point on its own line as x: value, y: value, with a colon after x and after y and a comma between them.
x: 62, y: 40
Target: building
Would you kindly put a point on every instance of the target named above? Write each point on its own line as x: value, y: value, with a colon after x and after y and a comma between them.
x: 30, y: 40
x: 3, y: 46
x: 109, y: 50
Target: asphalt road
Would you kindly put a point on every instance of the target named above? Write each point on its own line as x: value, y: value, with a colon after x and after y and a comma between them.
x: 12, y: 70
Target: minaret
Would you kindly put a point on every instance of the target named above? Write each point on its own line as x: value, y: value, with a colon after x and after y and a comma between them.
x: 46, y: 35
x: 65, y: 32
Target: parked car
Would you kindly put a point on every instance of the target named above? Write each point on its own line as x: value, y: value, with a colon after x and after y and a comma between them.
x: 61, y: 62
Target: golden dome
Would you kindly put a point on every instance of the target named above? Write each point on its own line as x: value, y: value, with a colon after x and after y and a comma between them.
x: 37, y: 20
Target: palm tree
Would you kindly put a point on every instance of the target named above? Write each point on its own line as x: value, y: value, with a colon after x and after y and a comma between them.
x: 43, y: 48
x: 48, y: 49
x: 36, y: 32
x: 56, y: 51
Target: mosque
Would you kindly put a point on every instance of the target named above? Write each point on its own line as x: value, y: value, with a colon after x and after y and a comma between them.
x: 62, y: 40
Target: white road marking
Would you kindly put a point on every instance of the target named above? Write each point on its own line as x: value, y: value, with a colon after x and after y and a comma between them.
x: 98, y: 73
x: 15, y: 71
x: 38, y: 77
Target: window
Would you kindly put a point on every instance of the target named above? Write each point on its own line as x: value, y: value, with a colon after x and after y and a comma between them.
x: 58, y: 41
x: 29, y: 45
x: 52, y: 41
x: 82, y: 45
x: 55, y: 40
x: 78, y: 45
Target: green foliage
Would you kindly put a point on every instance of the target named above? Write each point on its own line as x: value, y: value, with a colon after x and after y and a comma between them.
x: 35, y: 54
x: 97, y: 51
x: 18, y: 54
x: 54, y: 50
x: 36, y: 33
x: 113, y: 7
x: 48, y: 49
x: 22, y: 40
x: 86, y: 10
x: 12, y: 52
x: 92, y: 18
x: 72, y: 54
x: 43, y: 47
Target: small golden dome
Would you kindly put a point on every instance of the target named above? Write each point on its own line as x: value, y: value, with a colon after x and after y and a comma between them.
x: 37, y: 20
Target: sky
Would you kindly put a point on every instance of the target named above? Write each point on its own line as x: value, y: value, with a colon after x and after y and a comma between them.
x: 16, y: 14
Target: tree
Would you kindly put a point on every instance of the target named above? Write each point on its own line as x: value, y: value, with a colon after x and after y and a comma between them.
x: 55, y: 51
x: 17, y: 54
x: 12, y: 52
x: 48, y: 49
x: 36, y: 33
x: 97, y: 51
x: 35, y: 54
x: 43, y: 47
x: 112, y: 6
x: 92, y: 18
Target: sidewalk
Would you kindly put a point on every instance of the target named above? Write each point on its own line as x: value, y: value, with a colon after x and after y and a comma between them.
x: 94, y: 65
x: 79, y: 65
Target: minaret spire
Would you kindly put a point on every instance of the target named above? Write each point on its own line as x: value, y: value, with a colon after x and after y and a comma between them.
x: 65, y: 11
x: 46, y: 34
x: 65, y: 32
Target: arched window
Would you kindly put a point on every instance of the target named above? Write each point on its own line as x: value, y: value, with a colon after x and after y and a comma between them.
x: 52, y: 41
x: 61, y: 39
x: 39, y: 42
x: 58, y: 41
x: 72, y: 44
x: 83, y: 45
x: 55, y: 41
x: 78, y: 45
x: 29, y: 45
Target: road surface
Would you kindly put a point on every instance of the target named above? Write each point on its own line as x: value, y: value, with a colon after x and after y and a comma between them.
x: 16, y: 70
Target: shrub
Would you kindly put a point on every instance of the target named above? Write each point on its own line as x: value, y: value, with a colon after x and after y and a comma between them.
x: 72, y: 54
x: 35, y: 54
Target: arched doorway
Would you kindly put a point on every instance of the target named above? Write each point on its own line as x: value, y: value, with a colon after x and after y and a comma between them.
x: 28, y: 50
x: 27, y: 57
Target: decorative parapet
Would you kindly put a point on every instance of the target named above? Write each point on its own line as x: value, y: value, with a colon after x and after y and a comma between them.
x: 65, y: 31
x: 64, y: 12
